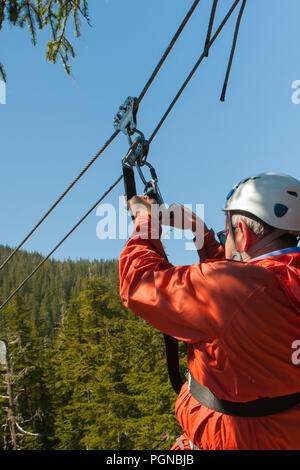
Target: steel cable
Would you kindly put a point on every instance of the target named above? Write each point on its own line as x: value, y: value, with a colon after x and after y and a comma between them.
x: 109, y: 141
x: 226, y: 18
x: 236, y: 32
x: 203, y: 55
x: 61, y: 242
x: 210, y: 25
x: 167, y: 51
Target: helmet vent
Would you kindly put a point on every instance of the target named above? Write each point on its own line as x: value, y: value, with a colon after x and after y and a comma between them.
x: 230, y: 194
x: 280, y: 210
x: 292, y: 193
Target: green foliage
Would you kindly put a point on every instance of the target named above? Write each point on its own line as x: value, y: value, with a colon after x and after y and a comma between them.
x: 52, y: 14
x: 118, y: 391
x: 96, y: 375
x: 26, y: 352
x: 52, y: 287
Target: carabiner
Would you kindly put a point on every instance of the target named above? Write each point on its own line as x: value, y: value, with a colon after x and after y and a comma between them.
x: 151, y: 187
x: 125, y: 121
x: 138, y: 151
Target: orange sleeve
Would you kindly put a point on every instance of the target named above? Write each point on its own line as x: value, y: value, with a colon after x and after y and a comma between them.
x: 186, y: 302
x: 211, y: 249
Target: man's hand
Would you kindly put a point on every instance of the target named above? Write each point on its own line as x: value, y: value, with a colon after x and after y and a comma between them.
x: 176, y: 216
x: 183, y: 218
x: 140, y: 205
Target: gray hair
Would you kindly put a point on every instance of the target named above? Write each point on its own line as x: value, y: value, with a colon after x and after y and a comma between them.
x: 260, y: 229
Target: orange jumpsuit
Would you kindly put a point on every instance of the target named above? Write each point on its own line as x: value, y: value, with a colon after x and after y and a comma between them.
x: 239, y: 320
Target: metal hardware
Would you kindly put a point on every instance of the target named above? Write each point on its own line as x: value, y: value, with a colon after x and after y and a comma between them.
x: 138, y: 151
x: 137, y: 157
x: 151, y: 187
x: 125, y: 119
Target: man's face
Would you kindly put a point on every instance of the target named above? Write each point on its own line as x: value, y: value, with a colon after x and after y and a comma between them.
x: 228, y: 251
x: 244, y: 239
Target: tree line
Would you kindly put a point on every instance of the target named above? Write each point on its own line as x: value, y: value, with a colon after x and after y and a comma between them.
x: 78, y: 370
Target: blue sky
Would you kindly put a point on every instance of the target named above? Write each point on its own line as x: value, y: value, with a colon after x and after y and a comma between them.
x: 52, y: 125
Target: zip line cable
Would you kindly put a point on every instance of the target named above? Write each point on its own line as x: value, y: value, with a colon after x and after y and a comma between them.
x: 210, y: 43
x: 168, y: 50
x: 59, y: 199
x: 110, y: 140
x: 203, y: 55
x: 61, y: 242
x: 233, y: 49
x: 210, y: 25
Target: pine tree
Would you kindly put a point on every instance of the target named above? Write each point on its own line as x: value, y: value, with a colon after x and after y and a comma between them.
x: 89, y: 374
x: 111, y: 383
x: 52, y: 14
x: 22, y: 377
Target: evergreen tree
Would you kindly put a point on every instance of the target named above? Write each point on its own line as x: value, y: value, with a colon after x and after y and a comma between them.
x: 88, y: 373
x: 111, y: 382
x: 52, y: 14
x: 21, y: 376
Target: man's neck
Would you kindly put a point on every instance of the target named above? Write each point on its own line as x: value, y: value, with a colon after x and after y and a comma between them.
x: 274, y: 246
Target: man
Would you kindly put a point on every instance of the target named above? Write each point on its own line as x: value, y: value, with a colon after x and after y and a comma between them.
x: 238, y: 311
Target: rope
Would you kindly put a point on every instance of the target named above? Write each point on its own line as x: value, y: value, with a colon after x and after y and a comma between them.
x: 210, y: 43
x: 109, y: 141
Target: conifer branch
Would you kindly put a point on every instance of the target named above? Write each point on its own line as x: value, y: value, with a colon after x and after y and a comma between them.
x: 39, y: 14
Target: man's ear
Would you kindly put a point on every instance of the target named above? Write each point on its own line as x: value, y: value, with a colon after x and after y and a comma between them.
x: 244, y: 237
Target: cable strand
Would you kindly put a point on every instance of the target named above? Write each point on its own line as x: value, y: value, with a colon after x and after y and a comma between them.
x: 168, y: 50
x: 210, y: 25
x: 203, y: 55
x: 236, y: 32
x: 59, y: 199
x: 60, y: 243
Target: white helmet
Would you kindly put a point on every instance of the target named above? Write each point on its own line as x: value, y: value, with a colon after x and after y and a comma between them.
x: 272, y: 197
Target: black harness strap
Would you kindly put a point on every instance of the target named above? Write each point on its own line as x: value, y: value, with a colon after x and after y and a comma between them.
x: 250, y: 409
x: 172, y: 356
x: 171, y: 344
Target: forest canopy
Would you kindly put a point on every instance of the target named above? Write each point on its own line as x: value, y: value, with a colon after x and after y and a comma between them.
x: 87, y: 373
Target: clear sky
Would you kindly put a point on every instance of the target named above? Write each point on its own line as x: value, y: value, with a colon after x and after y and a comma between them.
x: 52, y: 125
